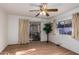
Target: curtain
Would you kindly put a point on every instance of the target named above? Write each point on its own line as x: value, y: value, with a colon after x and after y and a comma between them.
x: 53, y: 21
x: 75, y: 26
x: 54, y: 26
x: 23, y: 31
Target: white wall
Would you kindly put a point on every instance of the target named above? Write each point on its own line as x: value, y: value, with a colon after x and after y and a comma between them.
x: 3, y: 30
x: 13, y: 27
x: 67, y: 15
x: 65, y: 40
x: 13, y: 24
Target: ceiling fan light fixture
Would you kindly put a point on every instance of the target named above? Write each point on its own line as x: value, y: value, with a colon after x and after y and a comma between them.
x: 43, y: 13
x: 44, y: 10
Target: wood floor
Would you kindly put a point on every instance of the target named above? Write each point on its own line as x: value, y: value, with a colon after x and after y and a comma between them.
x: 36, y: 48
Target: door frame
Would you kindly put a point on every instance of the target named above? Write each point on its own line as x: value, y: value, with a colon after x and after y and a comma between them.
x: 29, y: 28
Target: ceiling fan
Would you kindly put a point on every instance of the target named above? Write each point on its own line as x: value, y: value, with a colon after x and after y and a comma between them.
x: 44, y: 10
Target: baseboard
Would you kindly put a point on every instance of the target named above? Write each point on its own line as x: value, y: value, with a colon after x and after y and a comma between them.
x: 64, y: 47
x: 3, y: 48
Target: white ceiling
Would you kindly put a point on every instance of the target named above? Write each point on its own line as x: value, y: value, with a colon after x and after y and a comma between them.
x: 23, y: 8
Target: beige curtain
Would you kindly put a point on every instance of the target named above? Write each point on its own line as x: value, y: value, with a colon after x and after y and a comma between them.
x: 54, y: 27
x: 75, y: 26
x: 23, y: 31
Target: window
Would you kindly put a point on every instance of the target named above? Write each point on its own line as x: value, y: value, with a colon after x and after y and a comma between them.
x: 65, y: 27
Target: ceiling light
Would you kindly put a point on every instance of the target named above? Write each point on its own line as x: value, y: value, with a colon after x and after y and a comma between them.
x: 42, y: 13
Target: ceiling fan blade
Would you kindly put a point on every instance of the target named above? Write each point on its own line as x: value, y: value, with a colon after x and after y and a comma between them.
x: 33, y: 10
x: 37, y: 14
x: 47, y: 14
x: 52, y: 10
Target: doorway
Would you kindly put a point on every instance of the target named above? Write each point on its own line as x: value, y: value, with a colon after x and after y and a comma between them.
x: 35, y: 31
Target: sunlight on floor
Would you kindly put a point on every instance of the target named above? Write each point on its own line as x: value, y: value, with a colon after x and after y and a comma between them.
x: 25, y: 51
